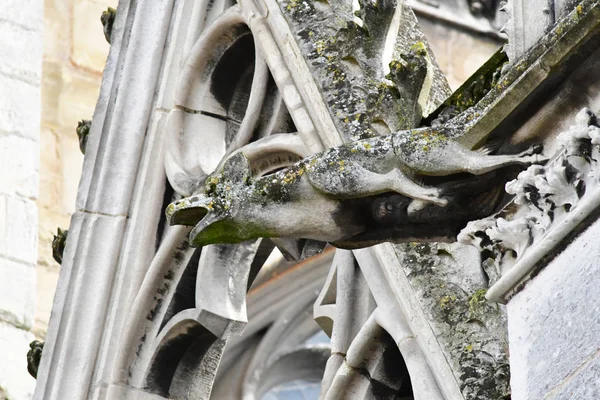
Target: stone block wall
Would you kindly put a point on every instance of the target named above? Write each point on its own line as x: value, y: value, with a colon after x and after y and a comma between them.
x: 20, y: 76
x: 74, y: 55
x: 553, y: 326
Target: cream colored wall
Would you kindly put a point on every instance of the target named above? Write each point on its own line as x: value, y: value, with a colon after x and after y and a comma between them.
x: 74, y: 55
x: 458, y: 52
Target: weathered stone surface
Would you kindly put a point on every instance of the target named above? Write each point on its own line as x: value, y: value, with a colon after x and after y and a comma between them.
x: 581, y: 384
x: 553, y: 323
x: 450, y: 285
x: 27, y: 13
x: 370, y: 85
x: 527, y: 25
x: 20, y: 71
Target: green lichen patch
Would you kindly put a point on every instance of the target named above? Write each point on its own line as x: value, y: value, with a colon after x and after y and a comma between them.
x: 471, y: 331
x: 477, y: 302
x: 344, y: 51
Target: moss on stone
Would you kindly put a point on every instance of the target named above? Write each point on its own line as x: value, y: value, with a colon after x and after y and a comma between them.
x: 475, y: 87
x: 474, y: 347
x: 343, y: 55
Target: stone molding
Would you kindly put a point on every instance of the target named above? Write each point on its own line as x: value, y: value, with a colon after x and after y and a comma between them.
x: 82, y: 306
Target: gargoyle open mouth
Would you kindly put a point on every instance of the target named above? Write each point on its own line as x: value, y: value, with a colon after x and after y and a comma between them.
x: 198, y: 211
x: 188, y: 211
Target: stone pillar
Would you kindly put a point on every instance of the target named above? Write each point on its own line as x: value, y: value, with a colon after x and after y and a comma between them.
x: 20, y: 71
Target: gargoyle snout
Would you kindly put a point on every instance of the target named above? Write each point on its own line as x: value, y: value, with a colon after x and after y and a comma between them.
x: 189, y: 210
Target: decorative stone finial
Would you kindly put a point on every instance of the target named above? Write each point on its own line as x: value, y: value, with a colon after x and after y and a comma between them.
x: 34, y: 355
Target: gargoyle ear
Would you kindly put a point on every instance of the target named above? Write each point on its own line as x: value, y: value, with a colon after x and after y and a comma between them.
x: 237, y: 169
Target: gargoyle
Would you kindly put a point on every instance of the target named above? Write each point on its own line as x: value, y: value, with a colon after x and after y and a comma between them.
x: 353, y: 195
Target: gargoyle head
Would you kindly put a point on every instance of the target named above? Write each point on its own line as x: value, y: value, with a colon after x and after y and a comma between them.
x: 212, y: 213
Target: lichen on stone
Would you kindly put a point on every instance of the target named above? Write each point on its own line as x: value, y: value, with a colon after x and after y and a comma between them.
x: 470, y: 330
x: 473, y: 90
x: 344, y: 50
